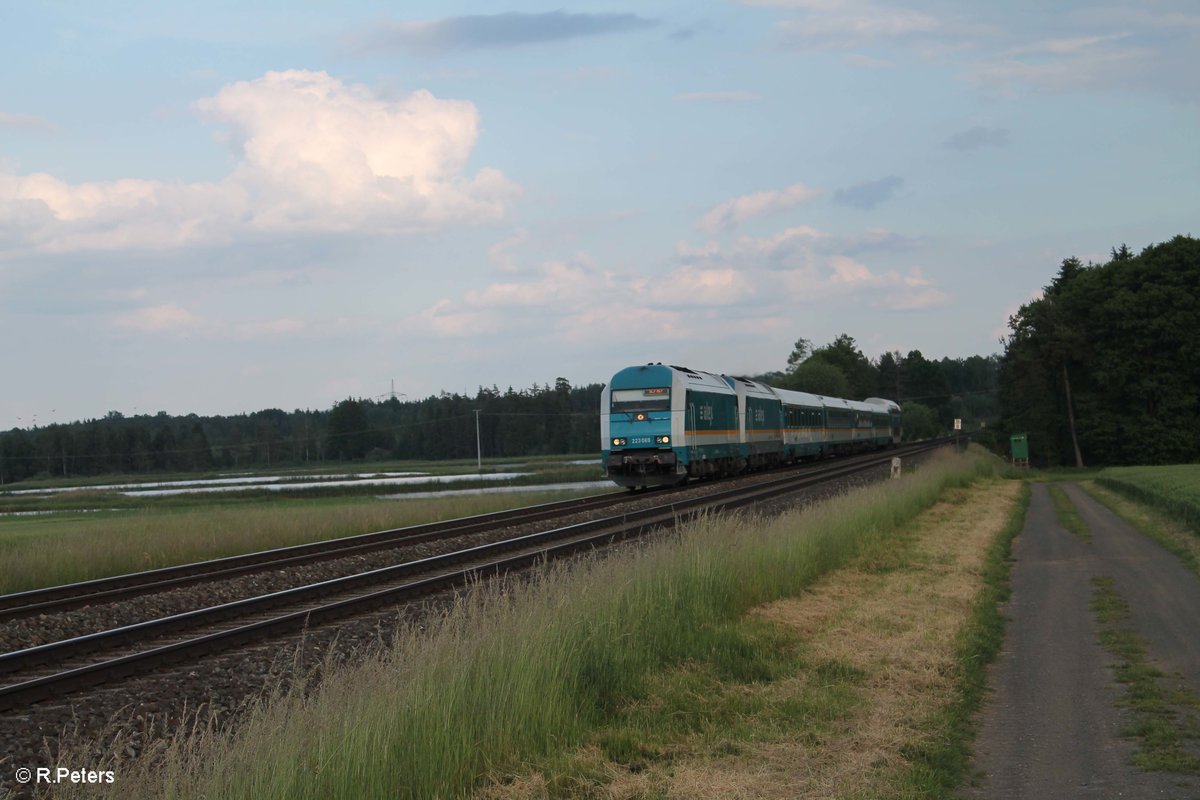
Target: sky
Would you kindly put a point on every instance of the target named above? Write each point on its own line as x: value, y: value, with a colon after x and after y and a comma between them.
x: 221, y: 207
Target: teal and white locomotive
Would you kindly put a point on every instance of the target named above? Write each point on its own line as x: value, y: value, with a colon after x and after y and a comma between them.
x: 660, y: 425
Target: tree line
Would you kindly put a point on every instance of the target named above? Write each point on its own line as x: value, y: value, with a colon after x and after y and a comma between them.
x: 931, y: 393
x: 1104, y: 367
x: 542, y: 419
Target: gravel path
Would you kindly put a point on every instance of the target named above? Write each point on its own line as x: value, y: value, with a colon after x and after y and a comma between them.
x: 1052, y: 727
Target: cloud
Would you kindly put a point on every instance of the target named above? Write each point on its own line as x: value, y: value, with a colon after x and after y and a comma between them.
x: 268, y: 329
x: 1060, y: 49
x: 500, y: 253
x: 1103, y: 50
x: 803, y: 243
x: 717, y: 97
x: 1092, y: 69
x: 803, y: 265
x: 314, y: 155
x: 692, y: 287
x: 842, y: 26
x: 445, y: 319
x: 707, y: 286
x: 23, y: 122
x: 168, y: 318
x: 731, y: 213
x: 510, y: 29
x: 173, y: 319
x: 686, y: 253
x: 870, y: 194
x: 559, y: 282
x: 977, y: 137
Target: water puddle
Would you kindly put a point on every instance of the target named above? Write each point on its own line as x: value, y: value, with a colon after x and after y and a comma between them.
x: 293, y: 485
x: 599, y: 486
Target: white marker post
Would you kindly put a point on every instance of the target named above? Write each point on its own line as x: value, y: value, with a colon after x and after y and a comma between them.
x: 896, y: 467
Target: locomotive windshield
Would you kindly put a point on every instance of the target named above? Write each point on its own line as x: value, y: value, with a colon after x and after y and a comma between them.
x: 658, y: 399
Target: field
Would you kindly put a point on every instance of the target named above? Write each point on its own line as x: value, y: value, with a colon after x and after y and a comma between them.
x: 89, y: 532
x: 1174, y: 490
x: 550, y: 682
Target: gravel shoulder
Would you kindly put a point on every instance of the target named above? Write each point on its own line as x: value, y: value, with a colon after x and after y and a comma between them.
x: 1052, y: 724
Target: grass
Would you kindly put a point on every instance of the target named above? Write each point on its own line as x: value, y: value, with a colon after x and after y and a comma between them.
x: 1160, y: 526
x: 942, y: 763
x: 844, y: 694
x: 527, y: 675
x: 63, y: 548
x: 1173, y: 490
x: 1067, y: 514
x: 1165, y: 717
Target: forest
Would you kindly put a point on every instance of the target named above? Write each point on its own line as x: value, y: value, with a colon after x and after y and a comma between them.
x: 1102, y: 369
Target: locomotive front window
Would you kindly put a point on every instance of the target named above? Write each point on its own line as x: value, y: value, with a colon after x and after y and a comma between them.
x: 658, y: 399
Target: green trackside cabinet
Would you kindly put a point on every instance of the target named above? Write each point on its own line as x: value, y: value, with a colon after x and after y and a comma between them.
x: 1020, y: 448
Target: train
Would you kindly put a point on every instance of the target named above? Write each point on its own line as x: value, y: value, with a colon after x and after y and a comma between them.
x: 662, y: 425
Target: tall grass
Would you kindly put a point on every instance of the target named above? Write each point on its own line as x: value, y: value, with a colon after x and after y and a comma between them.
x: 1174, y: 490
x: 527, y: 670
x: 52, y: 550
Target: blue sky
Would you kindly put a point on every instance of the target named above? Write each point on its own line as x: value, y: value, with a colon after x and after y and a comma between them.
x: 220, y: 207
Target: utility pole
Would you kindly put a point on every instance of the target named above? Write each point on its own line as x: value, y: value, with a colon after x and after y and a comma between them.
x: 478, y: 446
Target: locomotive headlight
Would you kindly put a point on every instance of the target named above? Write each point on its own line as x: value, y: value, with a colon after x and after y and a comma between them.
x: 617, y: 442
x: 662, y: 439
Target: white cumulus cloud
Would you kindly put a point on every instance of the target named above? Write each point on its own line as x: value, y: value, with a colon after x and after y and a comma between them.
x: 313, y: 155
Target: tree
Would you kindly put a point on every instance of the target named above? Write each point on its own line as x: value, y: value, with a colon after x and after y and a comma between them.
x: 801, y: 350
x: 860, y: 374
x: 1104, y: 366
x: 919, y: 421
x: 889, y: 382
x: 817, y: 376
x: 349, y: 430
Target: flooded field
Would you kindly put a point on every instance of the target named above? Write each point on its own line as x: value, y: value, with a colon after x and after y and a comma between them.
x: 526, y: 476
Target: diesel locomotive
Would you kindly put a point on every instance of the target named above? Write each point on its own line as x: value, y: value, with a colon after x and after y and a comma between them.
x: 662, y: 424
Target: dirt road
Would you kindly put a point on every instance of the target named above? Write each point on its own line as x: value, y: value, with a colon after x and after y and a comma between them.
x: 1051, y: 727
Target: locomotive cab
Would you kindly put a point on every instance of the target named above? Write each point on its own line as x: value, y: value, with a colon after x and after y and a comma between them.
x: 637, y: 441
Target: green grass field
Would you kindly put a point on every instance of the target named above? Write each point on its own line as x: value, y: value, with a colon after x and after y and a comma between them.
x: 1174, y: 490
x: 68, y: 546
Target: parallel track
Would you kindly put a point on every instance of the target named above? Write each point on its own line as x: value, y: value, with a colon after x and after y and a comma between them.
x: 54, y: 669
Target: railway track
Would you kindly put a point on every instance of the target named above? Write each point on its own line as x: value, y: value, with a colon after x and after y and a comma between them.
x: 49, y: 671
x: 76, y: 595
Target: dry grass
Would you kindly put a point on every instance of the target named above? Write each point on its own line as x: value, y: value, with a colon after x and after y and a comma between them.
x: 890, y: 623
x: 896, y: 626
